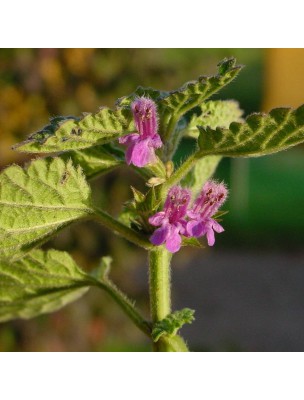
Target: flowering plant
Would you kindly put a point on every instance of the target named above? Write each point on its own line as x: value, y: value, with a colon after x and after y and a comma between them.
x: 180, y: 206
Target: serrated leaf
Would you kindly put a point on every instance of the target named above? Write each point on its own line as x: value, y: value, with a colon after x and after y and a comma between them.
x: 214, y: 114
x: 203, y: 170
x: 65, y: 134
x: 36, y: 202
x: 194, y: 93
x: 40, y: 282
x: 172, y: 323
x: 94, y: 161
x: 259, y: 135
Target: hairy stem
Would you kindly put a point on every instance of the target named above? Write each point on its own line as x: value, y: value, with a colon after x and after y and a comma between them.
x: 160, y: 286
x: 122, y: 230
x: 126, y: 305
x: 160, y: 297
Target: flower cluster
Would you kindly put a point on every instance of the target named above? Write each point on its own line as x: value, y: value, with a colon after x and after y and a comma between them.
x: 142, y: 145
x: 177, y: 219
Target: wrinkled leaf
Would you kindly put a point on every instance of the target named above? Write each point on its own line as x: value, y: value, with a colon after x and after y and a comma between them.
x: 172, y: 323
x: 214, y: 114
x: 94, y: 161
x: 39, y: 283
x: 259, y: 135
x: 68, y: 133
x: 36, y: 202
x: 193, y: 93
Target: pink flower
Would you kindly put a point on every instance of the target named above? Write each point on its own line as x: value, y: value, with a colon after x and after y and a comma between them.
x: 142, y: 145
x: 205, y: 206
x: 172, y: 220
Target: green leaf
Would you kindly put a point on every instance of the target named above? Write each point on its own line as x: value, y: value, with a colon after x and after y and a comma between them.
x: 39, y: 283
x: 259, y: 135
x: 37, y: 202
x: 214, y: 114
x: 140, y: 91
x: 69, y: 133
x: 172, y: 323
x: 94, y: 161
x: 203, y: 169
x: 194, y: 93
x: 173, y: 104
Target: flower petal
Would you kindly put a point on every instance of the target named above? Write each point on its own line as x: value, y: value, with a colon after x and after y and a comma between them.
x: 174, y: 240
x: 210, y: 237
x: 157, y: 219
x: 128, y: 139
x: 142, y: 153
x: 196, y: 228
x: 160, y: 235
x: 129, y: 153
x: 156, y: 141
x: 217, y: 227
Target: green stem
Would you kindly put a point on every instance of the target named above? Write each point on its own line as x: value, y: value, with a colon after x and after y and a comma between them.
x: 160, y: 286
x: 160, y: 297
x: 122, y: 229
x: 179, y: 174
x: 126, y: 305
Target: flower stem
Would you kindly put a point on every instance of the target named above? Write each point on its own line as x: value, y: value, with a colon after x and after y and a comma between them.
x: 160, y: 297
x: 122, y: 230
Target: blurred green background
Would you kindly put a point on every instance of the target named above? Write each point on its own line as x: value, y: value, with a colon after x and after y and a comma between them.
x: 265, y: 220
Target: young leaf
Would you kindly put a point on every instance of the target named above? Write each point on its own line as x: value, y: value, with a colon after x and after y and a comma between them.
x: 172, y: 323
x: 259, y: 135
x: 69, y: 133
x: 39, y: 283
x: 194, y: 93
x: 37, y: 202
x: 214, y: 114
x: 94, y: 161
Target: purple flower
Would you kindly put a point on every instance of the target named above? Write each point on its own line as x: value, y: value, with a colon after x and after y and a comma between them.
x: 142, y: 145
x: 205, y: 206
x: 172, y: 220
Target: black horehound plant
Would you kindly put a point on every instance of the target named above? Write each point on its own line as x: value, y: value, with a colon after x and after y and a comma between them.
x: 180, y: 205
